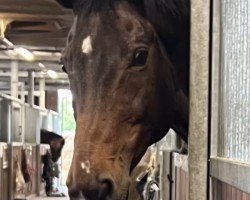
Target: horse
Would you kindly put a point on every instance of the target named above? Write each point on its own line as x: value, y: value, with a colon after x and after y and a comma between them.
x: 128, y: 67
x: 55, y: 141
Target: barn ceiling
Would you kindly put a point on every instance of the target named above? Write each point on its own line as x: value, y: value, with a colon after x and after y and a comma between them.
x: 41, y: 26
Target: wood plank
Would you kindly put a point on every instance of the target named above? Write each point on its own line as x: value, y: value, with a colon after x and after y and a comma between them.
x: 174, y: 180
x: 238, y: 195
x: 165, y: 174
x: 245, y: 196
x: 177, y: 183
x: 224, y: 191
x: 213, y: 189
x: 229, y: 192
x: 234, y: 193
x: 219, y: 190
x: 183, y: 184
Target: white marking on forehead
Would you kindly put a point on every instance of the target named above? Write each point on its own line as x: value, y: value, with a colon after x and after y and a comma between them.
x: 86, y: 166
x: 86, y: 45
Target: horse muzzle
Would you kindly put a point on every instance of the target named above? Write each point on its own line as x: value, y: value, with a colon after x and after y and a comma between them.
x: 93, y: 189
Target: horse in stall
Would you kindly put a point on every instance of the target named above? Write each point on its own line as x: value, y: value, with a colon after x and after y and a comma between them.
x: 55, y: 141
x: 128, y: 66
x: 50, y: 168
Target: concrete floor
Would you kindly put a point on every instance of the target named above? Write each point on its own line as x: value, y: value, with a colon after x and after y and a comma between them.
x: 50, y: 198
x: 62, y: 189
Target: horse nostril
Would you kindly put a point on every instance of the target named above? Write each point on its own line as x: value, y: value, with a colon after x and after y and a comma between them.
x: 74, y: 194
x: 106, y: 188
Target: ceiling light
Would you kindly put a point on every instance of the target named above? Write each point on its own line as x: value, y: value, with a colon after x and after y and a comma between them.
x: 25, y: 53
x: 52, y: 74
x: 41, y: 65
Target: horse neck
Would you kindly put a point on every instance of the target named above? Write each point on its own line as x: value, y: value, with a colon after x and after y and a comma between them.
x: 180, y: 124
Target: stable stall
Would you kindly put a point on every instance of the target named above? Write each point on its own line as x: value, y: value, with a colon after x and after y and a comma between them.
x: 43, y: 149
x: 218, y: 162
x: 50, y: 121
x: 27, y: 66
x: 32, y: 141
x: 4, y: 171
x: 230, y: 104
x: 20, y: 149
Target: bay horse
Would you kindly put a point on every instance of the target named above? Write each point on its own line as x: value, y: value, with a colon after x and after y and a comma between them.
x: 128, y: 67
x: 55, y: 141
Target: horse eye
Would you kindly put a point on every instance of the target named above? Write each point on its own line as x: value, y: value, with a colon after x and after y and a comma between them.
x: 140, y: 57
x: 64, y: 69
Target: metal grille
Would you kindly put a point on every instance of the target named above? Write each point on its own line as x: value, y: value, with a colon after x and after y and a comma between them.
x: 234, y: 138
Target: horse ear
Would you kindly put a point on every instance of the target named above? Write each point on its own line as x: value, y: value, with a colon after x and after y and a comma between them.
x: 62, y: 142
x: 66, y: 3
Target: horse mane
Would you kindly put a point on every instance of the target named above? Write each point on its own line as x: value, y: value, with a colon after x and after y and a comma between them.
x: 89, y: 6
x: 176, y: 7
x: 47, y: 136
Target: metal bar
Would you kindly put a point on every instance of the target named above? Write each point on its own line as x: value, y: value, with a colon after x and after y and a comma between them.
x: 31, y: 87
x: 14, y: 79
x: 215, y: 77
x: 22, y: 90
x: 165, y: 176
x: 38, y: 171
x: 42, y: 92
x: 198, y: 116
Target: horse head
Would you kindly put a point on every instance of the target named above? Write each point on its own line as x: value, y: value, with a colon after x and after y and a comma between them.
x: 125, y: 95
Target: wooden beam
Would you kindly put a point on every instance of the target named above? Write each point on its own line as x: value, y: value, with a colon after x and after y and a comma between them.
x: 63, y: 33
x: 38, y: 42
x: 37, y: 7
x: 41, y: 17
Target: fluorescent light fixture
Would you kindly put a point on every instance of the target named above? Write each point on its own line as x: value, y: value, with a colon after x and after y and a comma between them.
x: 41, y: 65
x: 9, y: 43
x: 25, y: 53
x: 52, y: 74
